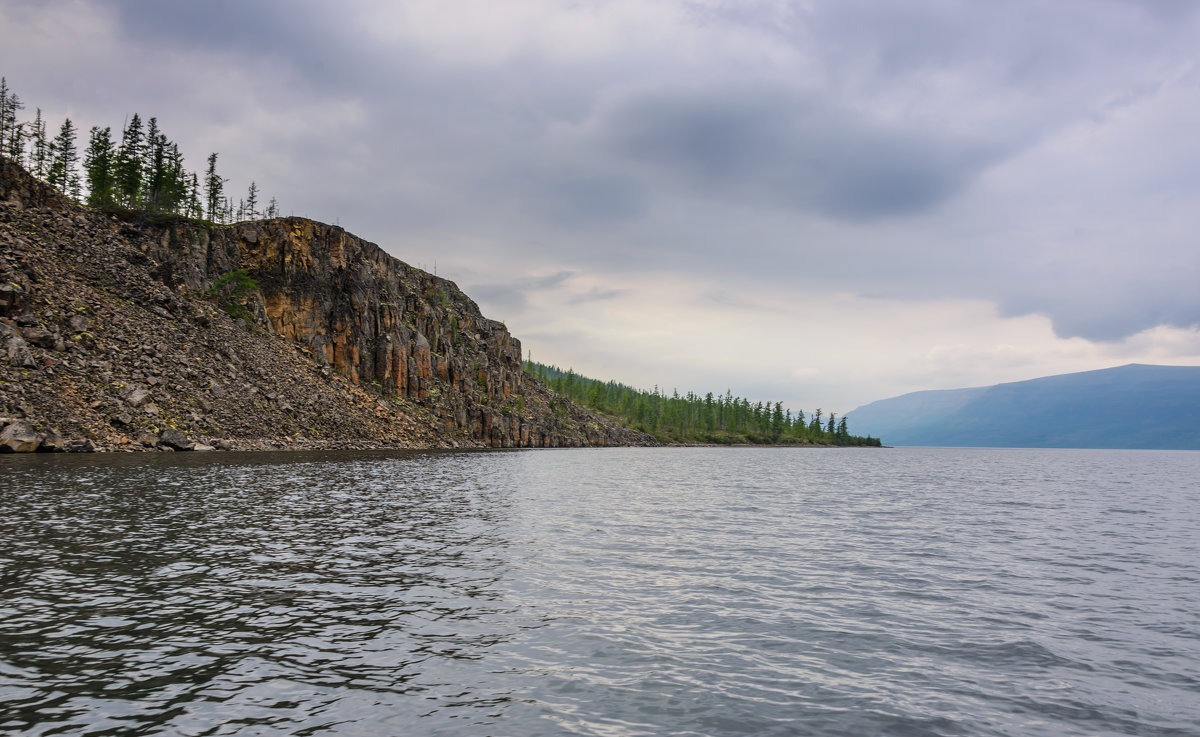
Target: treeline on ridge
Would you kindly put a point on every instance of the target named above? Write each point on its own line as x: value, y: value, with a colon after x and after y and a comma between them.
x: 691, y: 418
x: 141, y: 173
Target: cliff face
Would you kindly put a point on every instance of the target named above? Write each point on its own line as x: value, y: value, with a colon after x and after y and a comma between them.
x: 338, y: 343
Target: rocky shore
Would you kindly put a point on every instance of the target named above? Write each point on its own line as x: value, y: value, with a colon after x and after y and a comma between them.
x: 121, y: 332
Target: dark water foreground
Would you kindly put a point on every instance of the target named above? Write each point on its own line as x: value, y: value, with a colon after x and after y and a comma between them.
x: 698, y: 591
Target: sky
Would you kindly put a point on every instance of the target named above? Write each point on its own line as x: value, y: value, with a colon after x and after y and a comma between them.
x: 820, y: 203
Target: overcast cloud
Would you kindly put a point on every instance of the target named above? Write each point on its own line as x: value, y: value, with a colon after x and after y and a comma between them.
x: 825, y: 203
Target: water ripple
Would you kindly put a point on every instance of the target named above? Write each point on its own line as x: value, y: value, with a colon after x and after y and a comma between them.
x: 602, y: 592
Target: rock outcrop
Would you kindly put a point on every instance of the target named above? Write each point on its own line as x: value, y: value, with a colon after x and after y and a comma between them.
x: 128, y: 333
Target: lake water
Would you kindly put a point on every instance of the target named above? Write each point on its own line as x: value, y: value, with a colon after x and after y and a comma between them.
x: 607, y: 592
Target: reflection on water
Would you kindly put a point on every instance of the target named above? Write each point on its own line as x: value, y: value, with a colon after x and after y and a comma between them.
x: 601, y: 592
x: 279, y: 590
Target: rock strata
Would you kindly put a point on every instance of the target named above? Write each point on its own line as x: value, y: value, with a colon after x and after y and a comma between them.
x: 122, y: 334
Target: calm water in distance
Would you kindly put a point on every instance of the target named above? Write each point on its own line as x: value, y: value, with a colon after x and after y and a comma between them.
x: 607, y: 592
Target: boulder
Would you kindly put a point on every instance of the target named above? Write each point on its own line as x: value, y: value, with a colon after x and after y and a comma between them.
x: 40, y: 337
x: 138, y: 397
x: 18, y: 353
x: 175, y: 440
x: 53, y: 442
x: 81, y: 446
x: 12, y: 299
x: 19, y: 437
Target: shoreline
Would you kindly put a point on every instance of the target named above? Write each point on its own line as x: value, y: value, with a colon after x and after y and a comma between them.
x: 202, y: 444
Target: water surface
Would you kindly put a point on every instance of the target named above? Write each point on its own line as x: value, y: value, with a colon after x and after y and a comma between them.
x: 696, y: 591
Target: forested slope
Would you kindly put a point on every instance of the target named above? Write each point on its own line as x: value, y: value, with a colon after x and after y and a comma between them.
x: 692, y: 418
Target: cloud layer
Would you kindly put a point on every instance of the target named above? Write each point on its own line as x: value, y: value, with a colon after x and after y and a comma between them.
x: 1035, y: 160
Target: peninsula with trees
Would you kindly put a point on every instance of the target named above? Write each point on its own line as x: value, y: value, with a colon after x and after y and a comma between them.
x: 142, y: 308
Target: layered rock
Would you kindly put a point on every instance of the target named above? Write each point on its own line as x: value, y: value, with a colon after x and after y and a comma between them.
x: 109, y: 331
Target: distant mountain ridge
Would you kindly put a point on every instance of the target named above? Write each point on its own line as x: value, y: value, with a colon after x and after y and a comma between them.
x: 1132, y: 406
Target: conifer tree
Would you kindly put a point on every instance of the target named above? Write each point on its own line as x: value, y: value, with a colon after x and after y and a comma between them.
x: 62, y: 170
x: 3, y: 109
x: 98, y: 163
x: 129, y: 164
x: 154, y: 167
x: 151, y: 137
x: 9, y: 105
x: 15, y: 148
x: 41, y: 151
x: 145, y: 171
x: 252, y: 202
x: 777, y: 420
x: 213, y: 187
x: 194, y: 209
x: 174, y: 187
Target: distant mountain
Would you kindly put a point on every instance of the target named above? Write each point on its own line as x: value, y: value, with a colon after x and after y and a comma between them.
x: 1134, y: 406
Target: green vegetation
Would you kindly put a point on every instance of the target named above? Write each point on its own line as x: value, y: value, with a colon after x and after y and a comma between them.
x: 698, y: 419
x: 141, y: 175
x: 231, y: 291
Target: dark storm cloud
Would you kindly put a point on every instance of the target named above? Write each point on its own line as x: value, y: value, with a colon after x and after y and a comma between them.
x: 585, y: 198
x: 794, y: 151
x: 706, y: 149
x: 312, y: 47
x: 312, y: 36
x: 1110, y: 309
x: 513, y: 296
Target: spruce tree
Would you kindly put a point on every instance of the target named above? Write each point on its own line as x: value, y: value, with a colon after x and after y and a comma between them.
x: 3, y: 109
x: 194, y: 208
x: 151, y: 138
x: 62, y: 170
x: 41, y: 151
x: 154, y: 167
x: 129, y: 164
x: 174, y: 183
x: 252, y: 202
x: 9, y: 105
x: 777, y: 420
x: 98, y: 163
x: 213, y: 186
x: 15, y: 148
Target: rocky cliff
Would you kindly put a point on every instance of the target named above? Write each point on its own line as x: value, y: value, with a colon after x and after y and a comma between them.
x: 125, y: 333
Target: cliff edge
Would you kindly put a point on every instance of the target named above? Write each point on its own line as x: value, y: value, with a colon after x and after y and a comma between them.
x: 133, y: 332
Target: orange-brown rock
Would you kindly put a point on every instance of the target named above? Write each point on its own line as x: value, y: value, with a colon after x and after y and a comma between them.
x: 339, y: 342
